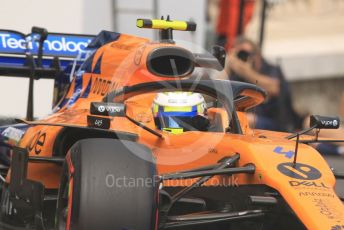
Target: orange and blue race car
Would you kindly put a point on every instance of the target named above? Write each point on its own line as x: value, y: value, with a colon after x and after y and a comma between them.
x: 143, y: 136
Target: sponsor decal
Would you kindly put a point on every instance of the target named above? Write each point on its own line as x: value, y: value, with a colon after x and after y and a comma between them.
x: 299, y: 171
x: 98, y: 122
x: 37, y: 142
x: 55, y: 45
x: 333, y: 123
x: 323, y: 122
x: 107, y: 109
x: 212, y: 150
x: 102, y: 86
x: 326, y: 209
x: 101, y: 109
x: 287, y: 153
x: 317, y: 194
x: 307, y: 184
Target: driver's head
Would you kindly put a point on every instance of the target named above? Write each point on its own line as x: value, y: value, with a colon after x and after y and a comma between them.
x: 177, y: 112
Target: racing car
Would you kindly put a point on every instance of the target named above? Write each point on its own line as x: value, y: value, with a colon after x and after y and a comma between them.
x: 124, y: 148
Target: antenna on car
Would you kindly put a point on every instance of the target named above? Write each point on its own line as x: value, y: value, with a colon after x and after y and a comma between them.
x: 316, y: 122
x: 296, y: 148
x: 166, y: 27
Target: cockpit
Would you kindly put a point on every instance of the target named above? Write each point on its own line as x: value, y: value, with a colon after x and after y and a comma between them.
x: 182, y: 105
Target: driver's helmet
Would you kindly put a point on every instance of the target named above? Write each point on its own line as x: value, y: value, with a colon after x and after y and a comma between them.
x: 177, y: 112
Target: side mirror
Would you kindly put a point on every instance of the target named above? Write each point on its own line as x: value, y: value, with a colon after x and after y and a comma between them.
x: 322, y: 122
x: 220, y: 54
x: 214, y: 61
x: 108, y: 109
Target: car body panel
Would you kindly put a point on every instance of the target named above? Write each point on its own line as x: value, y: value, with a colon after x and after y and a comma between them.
x: 123, y: 63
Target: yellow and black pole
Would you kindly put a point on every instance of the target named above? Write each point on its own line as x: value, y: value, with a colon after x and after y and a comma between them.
x: 166, y: 26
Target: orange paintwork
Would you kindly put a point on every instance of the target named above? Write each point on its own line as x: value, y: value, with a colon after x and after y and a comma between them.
x: 124, y: 64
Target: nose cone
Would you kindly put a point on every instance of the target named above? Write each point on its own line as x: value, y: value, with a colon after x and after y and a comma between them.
x: 307, y: 186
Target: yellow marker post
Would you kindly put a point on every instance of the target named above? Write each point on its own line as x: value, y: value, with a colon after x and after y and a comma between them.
x: 165, y: 24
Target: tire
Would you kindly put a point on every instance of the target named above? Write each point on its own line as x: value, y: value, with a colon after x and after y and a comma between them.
x: 96, y: 198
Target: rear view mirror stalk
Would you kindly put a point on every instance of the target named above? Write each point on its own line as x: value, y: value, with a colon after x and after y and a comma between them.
x: 318, y: 122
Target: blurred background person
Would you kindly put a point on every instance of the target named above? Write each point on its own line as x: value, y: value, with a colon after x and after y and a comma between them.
x: 245, y: 63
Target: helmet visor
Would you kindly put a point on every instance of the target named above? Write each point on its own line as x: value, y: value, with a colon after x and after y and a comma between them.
x: 175, y: 124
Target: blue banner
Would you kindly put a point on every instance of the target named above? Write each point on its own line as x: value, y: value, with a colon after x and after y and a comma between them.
x: 61, y: 45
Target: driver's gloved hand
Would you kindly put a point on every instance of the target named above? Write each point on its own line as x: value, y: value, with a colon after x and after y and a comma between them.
x: 200, y: 123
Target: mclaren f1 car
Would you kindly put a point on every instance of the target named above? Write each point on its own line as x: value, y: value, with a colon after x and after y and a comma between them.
x: 111, y: 157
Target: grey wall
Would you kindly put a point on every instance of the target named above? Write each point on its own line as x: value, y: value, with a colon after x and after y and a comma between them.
x: 321, y: 96
x: 70, y: 16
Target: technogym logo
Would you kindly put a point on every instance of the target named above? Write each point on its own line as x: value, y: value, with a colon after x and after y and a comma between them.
x: 55, y: 44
